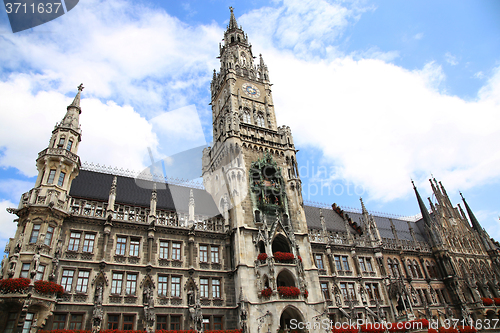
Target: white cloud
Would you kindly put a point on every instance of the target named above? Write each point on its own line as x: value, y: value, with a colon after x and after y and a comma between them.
x: 451, y: 59
x: 479, y: 75
x: 7, y: 225
x: 13, y: 188
x: 419, y: 36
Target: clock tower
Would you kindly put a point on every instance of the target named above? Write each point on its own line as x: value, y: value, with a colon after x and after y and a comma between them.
x: 252, y: 174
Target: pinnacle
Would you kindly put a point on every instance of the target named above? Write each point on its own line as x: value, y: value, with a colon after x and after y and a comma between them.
x: 232, y: 20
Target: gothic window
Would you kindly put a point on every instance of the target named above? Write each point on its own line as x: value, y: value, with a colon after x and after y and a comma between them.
x: 163, y: 250
x: 59, y: 321
x: 260, y: 120
x: 162, y: 286
x: 88, y: 243
x: 345, y: 263
x: 34, y: 233
x: 52, y: 175
x: 82, y: 281
x: 319, y: 261
x: 25, y: 270
x: 67, y: 279
x: 70, y: 144
x: 343, y: 289
x: 61, y: 143
x: 39, y: 272
x: 48, y: 235
x: 74, y: 241
x: 176, y: 287
x: 60, y: 182
x: 417, y: 269
x: 246, y: 117
x: 369, y: 266
x: 352, y: 293
x: 134, y: 247
x: 203, y: 253
x: 338, y: 263
x: 176, y: 251
x: 116, y: 283
x: 362, y: 264
x: 395, y: 268
x: 131, y: 284
x: 409, y: 267
x: 389, y: 266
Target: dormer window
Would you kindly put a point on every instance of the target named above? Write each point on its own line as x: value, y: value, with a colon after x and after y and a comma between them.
x: 70, y: 144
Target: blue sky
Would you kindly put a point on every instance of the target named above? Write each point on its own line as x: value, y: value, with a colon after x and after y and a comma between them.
x: 376, y: 92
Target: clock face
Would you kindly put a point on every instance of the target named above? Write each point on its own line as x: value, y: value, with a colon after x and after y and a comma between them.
x: 250, y: 90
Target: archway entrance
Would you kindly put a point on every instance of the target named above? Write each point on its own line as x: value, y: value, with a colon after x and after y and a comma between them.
x: 281, y: 244
x: 291, y: 317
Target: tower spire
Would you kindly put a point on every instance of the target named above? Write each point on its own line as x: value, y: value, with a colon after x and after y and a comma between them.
x: 475, y: 224
x: 232, y: 20
x: 427, y: 218
x: 72, y: 117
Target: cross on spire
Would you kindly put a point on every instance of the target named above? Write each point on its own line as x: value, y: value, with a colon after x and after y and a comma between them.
x: 80, y: 87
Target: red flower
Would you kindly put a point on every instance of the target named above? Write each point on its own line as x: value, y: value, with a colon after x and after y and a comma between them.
x: 467, y: 329
x: 48, y: 287
x: 18, y: 285
x: 431, y: 330
x: 448, y: 330
x: 487, y: 301
x: 288, y: 291
x: 497, y: 300
x: 262, y: 256
x: 283, y: 256
x: 299, y: 258
x: 266, y: 292
x: 306, y: 293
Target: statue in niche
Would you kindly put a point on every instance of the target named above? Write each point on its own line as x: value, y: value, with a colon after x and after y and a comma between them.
x: 19, y: 243
x: 97, y: 313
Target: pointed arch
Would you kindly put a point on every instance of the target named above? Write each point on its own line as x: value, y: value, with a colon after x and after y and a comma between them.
x: 100, y: 277
x: 281, y: 243
x: 147, y: 281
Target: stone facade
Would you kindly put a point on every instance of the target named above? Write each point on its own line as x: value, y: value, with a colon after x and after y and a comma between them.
x: 142, y: 254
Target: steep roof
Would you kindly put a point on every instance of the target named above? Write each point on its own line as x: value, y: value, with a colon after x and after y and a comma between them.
x: 137, y: 192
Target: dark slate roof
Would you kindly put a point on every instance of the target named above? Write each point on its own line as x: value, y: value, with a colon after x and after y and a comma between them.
x: 136, y: 192
x: 335, y: 223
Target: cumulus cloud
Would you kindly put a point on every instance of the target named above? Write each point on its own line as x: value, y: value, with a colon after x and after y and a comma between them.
x: 7, y: 225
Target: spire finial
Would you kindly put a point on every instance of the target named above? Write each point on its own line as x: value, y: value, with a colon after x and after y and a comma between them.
x: 80, y: 87
x: 76, y: 101
x: 232, y: 20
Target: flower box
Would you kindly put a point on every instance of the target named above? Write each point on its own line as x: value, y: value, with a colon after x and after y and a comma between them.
x: 283, y: 256
x: 48, y: 287
x: 447, y: 330
x: 288, y: 291
x: 496, y: 300
x: 487, y: 301
x: 432, y: 330
x: 306, y: 293
x: 467, y: 329
x: 266, y: 292
x: 18, y: 285
x: 262, y: 256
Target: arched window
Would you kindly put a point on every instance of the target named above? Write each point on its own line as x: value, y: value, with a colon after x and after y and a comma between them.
x: 410, y: 270
x: 395, y: 268
x: 246, y: 117
x: 260, y: 121
x: 389, y: 266
x: 417, y: 269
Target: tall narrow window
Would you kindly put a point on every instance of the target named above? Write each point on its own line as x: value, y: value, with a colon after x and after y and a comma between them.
x: 61, y: 143
x: 163, y: 250
x: 346, y: 263
x: 352, y: 293
x: 59, y: 321
x: 176, y: 286
x: 204, y: 288
x: 121, y: 243
x: 343, y: 290
x: 25, y: 270
x: 324, y: 290
x: 75, y: 322
x: 368, y: 288
x: 376, y: 293
x: 362, y: 264
x: 260, y: 121
x: 369, y: 264
x: 34, y: 233
x: 162, y: 286
x: 70, y: 144
x: 203, y: 253
x: 214, y: 250
x: 134, y: 248
x: 52, y: 175
x: 176, y: 251
x: 217, y: 323
x: 319, y: 261
x: 116, y: 283
x: 67, y: 279
x: 39, y: 272
x: 161, y: 322
x: 48, y: 235
x: 82, y: 281
x: 28, y: 320
x: 88, y: 243
x: 11, y: 323
x: 131, y: 284
x: 74, y: 241
x: 338, y: 263
x: 113, y: 321
x: 215, y: 288
x: 246, y: 117
x: 61, y: 179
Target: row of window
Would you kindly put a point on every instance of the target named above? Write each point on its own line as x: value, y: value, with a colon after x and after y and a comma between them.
x: 115, y: 321
x: 61, y: 142
x: 413, y: 268
x: 348, y: 291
